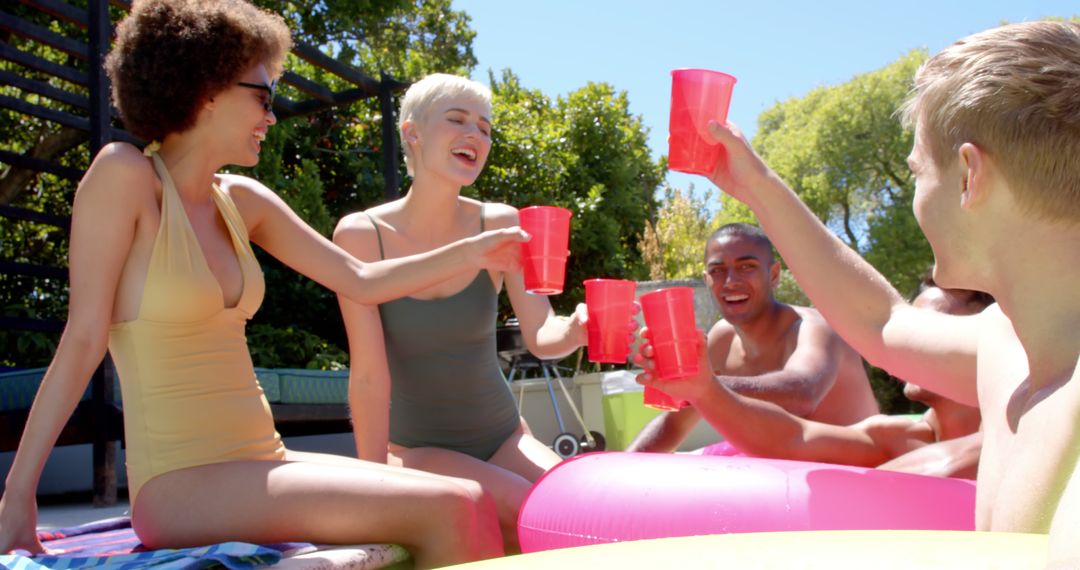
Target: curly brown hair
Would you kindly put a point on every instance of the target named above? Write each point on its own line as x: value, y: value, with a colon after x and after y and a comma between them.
x: 171, y: 56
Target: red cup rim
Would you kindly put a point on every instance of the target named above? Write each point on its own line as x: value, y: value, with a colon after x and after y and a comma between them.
x: 559, y: 208
x: 605, y: 279
x: 728, y: 75
x: 665, y: 289
x: 543, y: 291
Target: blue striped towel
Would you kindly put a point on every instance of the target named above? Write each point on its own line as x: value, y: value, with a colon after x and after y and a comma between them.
x: 112, y: 545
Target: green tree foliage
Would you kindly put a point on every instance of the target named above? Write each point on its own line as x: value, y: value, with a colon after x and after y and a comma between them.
x: 324, y: 165
x: 674, y: 246
x: 330, y: 164
x: 843, y: 151
x: 403, y: 38
x: 400, y: 39
x: 31, y: 242
x: 290, y: 347
x: 585, y: 152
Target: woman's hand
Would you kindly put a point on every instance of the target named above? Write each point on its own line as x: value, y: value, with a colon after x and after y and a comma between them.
x: 18, y: 521
x: 580, y: 322
x: 740, y: 170
x: 578, y: 325
x: 497, y: 250
x: 690, y: 389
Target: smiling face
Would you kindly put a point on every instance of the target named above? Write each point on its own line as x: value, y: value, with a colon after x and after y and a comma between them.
x: 241, y: 117
x: 741, y: 273
x: 452, y: 139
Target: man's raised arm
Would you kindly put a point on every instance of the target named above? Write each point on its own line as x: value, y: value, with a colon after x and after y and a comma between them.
x: 856, y: 300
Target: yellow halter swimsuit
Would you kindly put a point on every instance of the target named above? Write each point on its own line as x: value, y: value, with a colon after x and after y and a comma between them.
x: 188, y: 384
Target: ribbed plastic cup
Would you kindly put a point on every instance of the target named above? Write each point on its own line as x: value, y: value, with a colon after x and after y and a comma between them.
x: 610, y: 303
x: 697, y: 97
x: 543, y: 258
x: 669, y: 314
x: 656, y: 399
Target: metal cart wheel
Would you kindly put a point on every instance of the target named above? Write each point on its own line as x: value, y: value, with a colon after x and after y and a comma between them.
x: 598, y: 443
x: 566, y: 445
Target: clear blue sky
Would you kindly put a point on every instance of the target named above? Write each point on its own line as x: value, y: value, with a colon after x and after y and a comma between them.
x: 777, y: 50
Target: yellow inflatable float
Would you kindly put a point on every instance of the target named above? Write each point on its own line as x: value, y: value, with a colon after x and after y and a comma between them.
x: 814, y: 550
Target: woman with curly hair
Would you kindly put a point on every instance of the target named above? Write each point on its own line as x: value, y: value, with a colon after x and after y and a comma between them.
x: 163, y: 275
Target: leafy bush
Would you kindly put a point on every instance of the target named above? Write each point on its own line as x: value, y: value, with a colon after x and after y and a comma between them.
x: 273, y: 347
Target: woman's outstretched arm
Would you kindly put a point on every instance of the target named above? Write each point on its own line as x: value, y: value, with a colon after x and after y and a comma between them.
x: 277, y: 229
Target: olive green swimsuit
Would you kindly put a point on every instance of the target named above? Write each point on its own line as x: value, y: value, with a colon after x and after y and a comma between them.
x: 447, y: 389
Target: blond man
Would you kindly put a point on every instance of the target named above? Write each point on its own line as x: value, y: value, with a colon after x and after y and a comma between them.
x: 997, y: 168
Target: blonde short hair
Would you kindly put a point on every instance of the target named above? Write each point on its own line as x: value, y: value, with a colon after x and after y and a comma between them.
x: 1013, y: 91
x: 431, y: 89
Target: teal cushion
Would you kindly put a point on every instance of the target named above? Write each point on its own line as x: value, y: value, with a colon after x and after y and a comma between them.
x: 301, y: 386
x: 286, y: 386
x: 17, y: 389
x: 271, y: 384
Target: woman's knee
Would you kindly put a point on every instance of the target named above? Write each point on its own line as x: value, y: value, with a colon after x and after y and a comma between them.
x: 465, y: 499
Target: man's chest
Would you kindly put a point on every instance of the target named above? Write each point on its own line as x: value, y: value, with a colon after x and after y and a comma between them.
x: 740, y: 360
x: 1029, y: 440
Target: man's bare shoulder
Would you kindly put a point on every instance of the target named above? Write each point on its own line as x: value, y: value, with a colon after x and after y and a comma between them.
x: 722, y: 331
x: 720, y: 338
x: 812, y: 325
x: 811, y: 321
x: 809, y: 314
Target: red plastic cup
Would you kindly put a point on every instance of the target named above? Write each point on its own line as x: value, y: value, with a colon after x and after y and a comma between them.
x: 610, y: 303
x: 697, y: 97
x: 669, y: 314
x: 656, y: 399
x: 543, y: 258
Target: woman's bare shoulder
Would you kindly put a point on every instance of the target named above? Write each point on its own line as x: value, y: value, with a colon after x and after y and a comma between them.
x: 243, y: 188
x: 362, y: 222
x: 356, y: 233
x: 124, y: 159
x: 119, y: 173
x: 498, y: 215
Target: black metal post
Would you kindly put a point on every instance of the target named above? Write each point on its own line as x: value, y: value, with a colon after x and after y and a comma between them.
x: 389, y: 140
x: 100, y: 32
x: 104, y: 449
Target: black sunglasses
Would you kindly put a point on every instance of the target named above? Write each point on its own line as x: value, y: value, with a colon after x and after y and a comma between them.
x: 269, y: 103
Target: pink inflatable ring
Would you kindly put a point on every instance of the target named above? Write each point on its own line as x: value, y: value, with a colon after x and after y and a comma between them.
x: 611, y: 497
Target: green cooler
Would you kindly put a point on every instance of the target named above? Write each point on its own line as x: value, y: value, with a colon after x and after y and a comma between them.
x: 624, y: 414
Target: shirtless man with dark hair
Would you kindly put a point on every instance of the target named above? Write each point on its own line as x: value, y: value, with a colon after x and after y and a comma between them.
x: 944, y: 442
x: 764, y: 349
